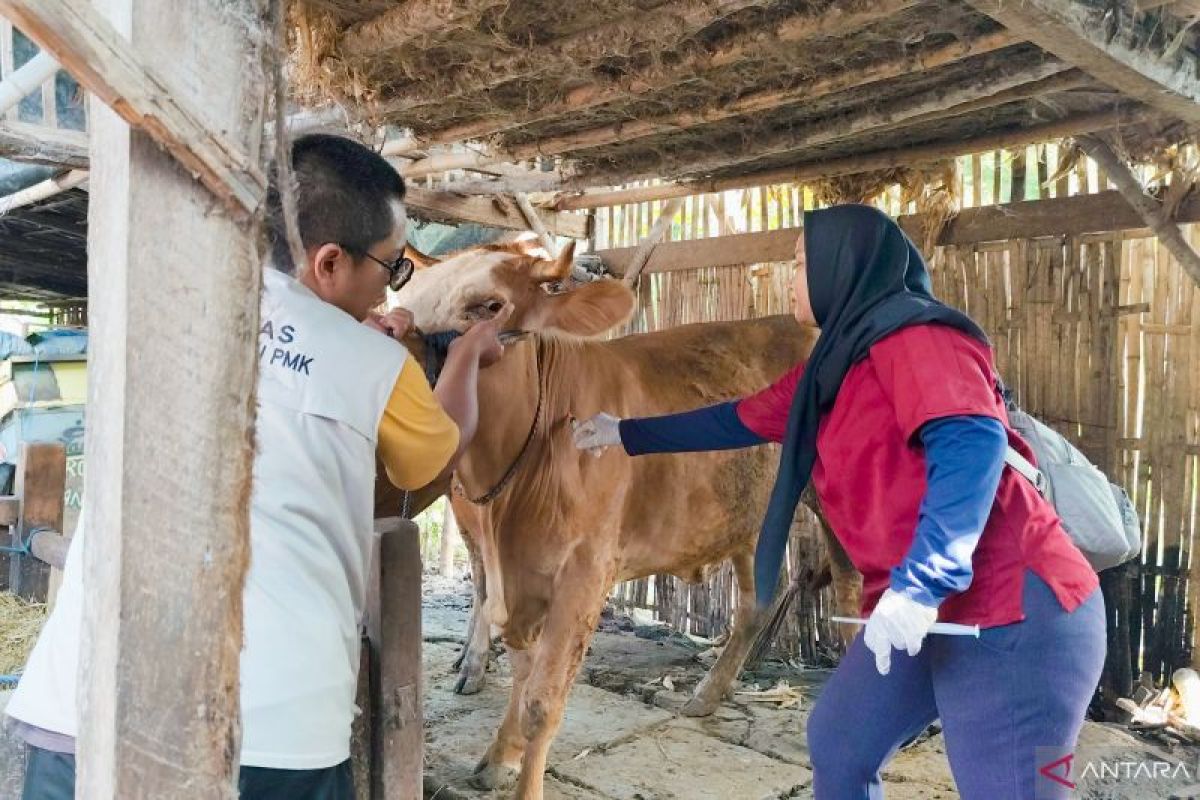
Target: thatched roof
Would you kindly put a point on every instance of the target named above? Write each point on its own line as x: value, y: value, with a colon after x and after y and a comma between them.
x: 43, y: 249
x: 714, y: 88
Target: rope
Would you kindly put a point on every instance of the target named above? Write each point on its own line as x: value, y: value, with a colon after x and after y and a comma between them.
x: 508, y: 475
x: 24, y: 548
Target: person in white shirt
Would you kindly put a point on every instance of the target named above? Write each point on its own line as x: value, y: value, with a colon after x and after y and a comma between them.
x: 335, y: 389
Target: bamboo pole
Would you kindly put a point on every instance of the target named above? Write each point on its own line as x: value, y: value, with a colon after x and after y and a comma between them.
x: 642, y: 255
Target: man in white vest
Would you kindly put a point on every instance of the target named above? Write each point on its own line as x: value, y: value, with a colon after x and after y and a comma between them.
x: 335, y: 389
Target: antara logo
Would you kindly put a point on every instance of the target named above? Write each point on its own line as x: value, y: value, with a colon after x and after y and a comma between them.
x: 1059, y: 771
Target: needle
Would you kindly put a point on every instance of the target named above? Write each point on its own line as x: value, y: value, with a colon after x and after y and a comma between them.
x: 945, y: 628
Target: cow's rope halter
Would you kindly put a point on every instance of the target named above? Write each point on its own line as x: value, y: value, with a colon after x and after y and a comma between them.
x: 511, y: 472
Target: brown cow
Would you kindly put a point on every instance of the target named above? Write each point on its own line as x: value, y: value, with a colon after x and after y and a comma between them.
x: 557, y: 528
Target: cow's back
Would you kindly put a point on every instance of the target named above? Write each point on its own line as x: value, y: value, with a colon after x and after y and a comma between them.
x: 683, y: 512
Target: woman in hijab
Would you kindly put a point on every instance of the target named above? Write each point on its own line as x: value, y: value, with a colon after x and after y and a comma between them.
x: 898, y: 421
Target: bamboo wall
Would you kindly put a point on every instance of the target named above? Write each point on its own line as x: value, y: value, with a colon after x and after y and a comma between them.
x: 1098, y: 335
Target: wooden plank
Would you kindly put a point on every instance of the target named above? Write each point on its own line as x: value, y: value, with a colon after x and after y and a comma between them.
x: 108, y: 66
x: 35, y: 144
x: 497, y: 212
x: 40, y: 484
x: 1079, y: 35
x: 1103, y: 212
x: 398, y: 724
x: 170, y: 417
x: 645, y: 248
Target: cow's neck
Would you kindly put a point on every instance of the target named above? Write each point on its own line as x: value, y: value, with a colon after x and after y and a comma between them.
x: 508, y: 397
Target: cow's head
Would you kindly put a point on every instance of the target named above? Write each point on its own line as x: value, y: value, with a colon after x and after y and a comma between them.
x: 474, y: 284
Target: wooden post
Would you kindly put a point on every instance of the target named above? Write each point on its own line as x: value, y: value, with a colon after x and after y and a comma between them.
x: 175, y: 282
x: 394, y: 627
x: 40, y: 485
x: 536, y: 225
x: 645, y: 247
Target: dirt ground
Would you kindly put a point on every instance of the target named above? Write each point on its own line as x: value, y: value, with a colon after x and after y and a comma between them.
x: 622, y: 740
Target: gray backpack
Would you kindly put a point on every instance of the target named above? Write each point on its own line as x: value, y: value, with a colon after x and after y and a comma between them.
x: 1097, y: 514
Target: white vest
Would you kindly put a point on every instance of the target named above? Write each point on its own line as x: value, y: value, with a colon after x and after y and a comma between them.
x: 324, y: 381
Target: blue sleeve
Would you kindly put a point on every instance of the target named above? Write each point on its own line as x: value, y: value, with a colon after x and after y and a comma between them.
x: 964, y: 457
x: 713, y: 428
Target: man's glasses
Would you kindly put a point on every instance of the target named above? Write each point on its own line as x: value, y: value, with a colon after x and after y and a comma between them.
x: 400, y: 270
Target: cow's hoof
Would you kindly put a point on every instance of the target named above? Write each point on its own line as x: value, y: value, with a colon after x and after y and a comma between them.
x: 699, y: 706
x: 470, y: 682
x: 489, y: 776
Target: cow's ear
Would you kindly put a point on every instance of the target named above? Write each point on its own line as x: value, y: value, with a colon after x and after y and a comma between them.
x: 547, y: 271
x: 589, y: 310
x: 419, y: 259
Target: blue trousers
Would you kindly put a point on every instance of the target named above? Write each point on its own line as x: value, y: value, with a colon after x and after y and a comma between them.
x: 1006, y: 701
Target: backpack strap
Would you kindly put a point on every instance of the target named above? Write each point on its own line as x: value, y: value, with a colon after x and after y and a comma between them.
x: 1031, y: 473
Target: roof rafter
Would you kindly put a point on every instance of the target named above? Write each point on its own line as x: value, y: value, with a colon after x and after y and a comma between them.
x: 838, y: 19
x: 765, y: 100
x: 1077, y: 34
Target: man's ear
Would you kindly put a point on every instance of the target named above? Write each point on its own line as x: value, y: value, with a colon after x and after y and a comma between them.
x: 589, y: 310
x: 324, y: 261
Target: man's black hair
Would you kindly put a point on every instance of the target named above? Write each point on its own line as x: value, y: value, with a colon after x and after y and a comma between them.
x: 343, y: 194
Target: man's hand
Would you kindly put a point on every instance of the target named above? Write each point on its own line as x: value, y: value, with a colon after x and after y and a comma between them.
x: 483, y: 338
x: 397, y: 323
x: 897, y: 622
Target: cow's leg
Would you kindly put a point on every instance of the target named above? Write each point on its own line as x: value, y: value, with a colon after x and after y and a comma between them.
x: 747, y: 623
x: 500, y: 764
x: 473, y: 662
x: 847, y: 583
x: 570, y: 625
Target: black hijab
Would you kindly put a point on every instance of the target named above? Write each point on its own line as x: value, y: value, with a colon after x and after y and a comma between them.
x: 865, y: 281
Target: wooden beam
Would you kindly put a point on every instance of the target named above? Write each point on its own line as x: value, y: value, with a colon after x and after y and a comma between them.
x: 1081, y: 35
x: 497, y: 212
x: 994, y: 79
x: 849, y: 165
x: 1070, y: 216
x: 107, y: 66
x: 40, y: 483
x: 43, y: 190
x: 646, y: 247
x: 37, y: 144
x: 756, y: 102
x: 172, y: 374
x: 1148, y: 208
x: 831, y: 21
x: 536, y: 225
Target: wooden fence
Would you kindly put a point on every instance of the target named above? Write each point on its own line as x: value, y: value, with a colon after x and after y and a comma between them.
x: 1099, y: 335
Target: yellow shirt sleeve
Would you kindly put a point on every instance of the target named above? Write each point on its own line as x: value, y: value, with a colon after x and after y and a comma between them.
x: 416, y: 437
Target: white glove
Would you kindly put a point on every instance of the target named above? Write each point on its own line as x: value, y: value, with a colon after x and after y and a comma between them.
x: 597, y: 433
x: 898, y: 621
